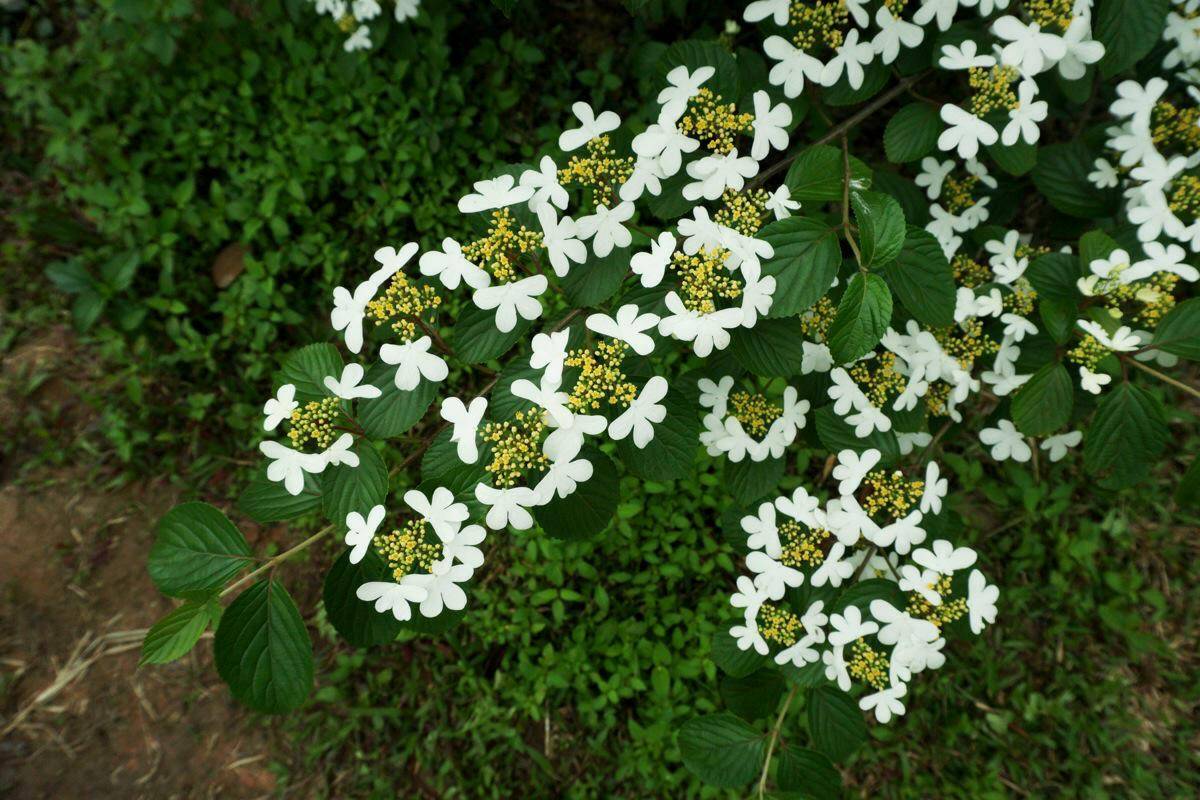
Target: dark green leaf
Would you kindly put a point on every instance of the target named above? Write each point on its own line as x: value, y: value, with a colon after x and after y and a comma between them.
x: 817, y: 174
x: 1127, y: 435
x: 1179, y: 332
x: 722, y: 750
x: 880, y: 227
x: 808, y: 774
x: 395, y: 411
x: 911, y: 133
x: 671, y: 454
x: 307, y: 369
x: 753, y: 696
x: 732, y: 660
x: 266, y: 500
x: 477, y: 339
x: 805, y: 263
x: 1044, y: 403
x: 358, y: 488
x: 1062, y: 175
x: 862, y: 318
x: 749, y: 480
x: 176, y: 633
x: 835, y: 723
x: 773, y: 348
x: 591, y: 507
x: 597, y: 279
x: 197, y: 550
x: 357, y: 620
x: 921, y: 277
x: 1128, y: 29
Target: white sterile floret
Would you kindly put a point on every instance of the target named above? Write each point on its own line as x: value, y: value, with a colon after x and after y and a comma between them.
x: 1006, y: 442
x: 1057, y: 446
x: 361, y: 531
x: 647, y: 176
x: 835, y: 569
x: 850, y: 57
x: 1105, y: 175
x: 794, y: 67
x: 451, y: 267
x: 940, y: 10
x: 777, y: 10
x: 981, y: 601
x: 964, y: 57
x: 1162, y: 258
x: 280, y: 407
x: 494, y: 193
x: 885, y: 703
x: 683, y: 84
x: 1093, y: 382
x: 1136, y: 102
x: 715, y: 395
x: 935, y: 489
x: 360, y: 39
x: 629, y: 326
x: 549, y: 354
x: 350, y: 385
x: 964, y: 132
x: 288, y: 466
x: 1024, y: 119
x: 565, y: 441
x: 442, y: 587
x: 590, y: 127
x: 643, y: 414
x: 852, y: 468
x: 507, y: 506
x: 392, y: 597
x: 770, y: 126
x: 606, y: 228
x: 413, y: 361
x: 1029, y: 49
x: 341, y: 452
x: 850, y: 625
x: 758, y: 293
x: 1082, y: 49
x: 781, y: 204
x: 1122, y: 340
x: 650, y: 267
x: 706, y: 332
x: 465, y: 420
x: 772, y: 576
x: 463, y: 547
x: 512, y: 300
x: 407, y: 9
x: 933, y: 174
x: 443, y: 513
x: 835, y: 667
x: 544, y: 183
x: 545, y: 395
x: 762, y: 532
x: 667, y: 145
x: 895, y: 34
x: 747, y: 637
x: 349, y: 310
x: 560, y: 237
x: 944, y: 558
x: 713, y: 174
x: 561, y: 479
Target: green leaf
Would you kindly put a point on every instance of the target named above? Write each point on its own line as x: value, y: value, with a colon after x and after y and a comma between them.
x: 862, y: 593
x: 1094, y: 245
x: 440, y: 465
x: 923, y: 280
x: 862, y: 318
x: 749, y: 480
x: 1128, y: 29
x: 753, y: 696
x: 395, y: 411
x: 1015, y: 159
x: 597, y: 279
x: 265, y: 500
x: 358, y: 488
x: 835, y: 723
x: 1061, y: 174
x: 805, y: 263
x: 176, y: 633
x: 696, y: 53
x: 1044, y: 403
x: 357, y: 620
x: 477, y: 339
x: 671, y: 454
x: 1187, y: 493
x: 1127, y: 435
x: 263, y: 651
x: 841, y: 93
x: 1179, y: 332
x: 590, y: 508
x: 818, y: 172
x: 911, y: 133
x: 732, y: 660
x: 880, y: 227
x: 197, y: 550
x: 1055, y: 276
x: 307, y: 369
x: 722, y: 750
x: 837, y: 435
x: 773, y: 348
x: 808, y: 774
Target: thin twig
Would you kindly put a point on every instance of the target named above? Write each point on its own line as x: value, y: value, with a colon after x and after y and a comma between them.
x: 1162, y: 377
x: 846, y: 203
x: 787, y: 702
x: 279, y: 559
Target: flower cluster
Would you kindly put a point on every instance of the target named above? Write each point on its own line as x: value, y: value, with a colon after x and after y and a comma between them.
x: 352, y: 16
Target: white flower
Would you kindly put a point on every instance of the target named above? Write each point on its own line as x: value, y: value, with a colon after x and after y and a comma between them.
x: 894, y: 33
x: 507, y: 506
x: 770, y: 126
x: 444, y: 515
x: 647, y: 176
x: 900, y: 627
x: 794, y: 67
x: 1057, y: 446
x: 549, y: 353
x: 407, y: 9
x: 1006, y: 442
x: 628, y: 326
x: 758, y: 293
x: 1093, y: 382
x: 759, y: 10
x: 451, y: 267
x: 544, y: 183
x: 699, y: 231
x: 590, y: 127
x: 1105, y: 176
x: 944, y: 558
x: 1122, y: 340
x: 965, y: 57
x: 288, y: 466
x: 560, y: 238
x: 933, y: 174
x: 606, y: 228
x: 464, y: 546
x: 800, y: 653
x: 465, y: 419
x: 1160, y: 258
x: 562, y: 478
x: 965, y: 132
x: 1136, y: 101
x: 772, y: 577
x: 393, y: 597
x: 885, y: 702
x: 360, y: 532
x: 715, y: 173
x: 981, y: 601
x: 519, y: 298
x: 747, y: 637
x: 707, y: 332
x: 1081, y: 49
x: 650, y: 267
x: 852, y: 468
x: 363, y: 10
x: 683, y: 84
x: 359, y: 40
x: 852, y: 56
x: 642, y: 415
x: 942, y: 10
x: 935, y: 489
x: 544, y: 395
x: 849, y: 626
x: 1025, y: 117
x: 666, y: 144
x: 835, y: 569
x: 748, y: 597
x: 349, y: 311
x: 715, y: 395
x: 902, y: 534
x: 413, y: 361
x: 781, y: 204
x: 341, y: 452
x: 911, y: 441
x: 280, y: 407
x: 762, y: 530
x: 1028, y: 48
x: 494, y: 193
x: 441, y: 587
x: 565, y: 442
x: 351, y: 386
x: 835, y: 667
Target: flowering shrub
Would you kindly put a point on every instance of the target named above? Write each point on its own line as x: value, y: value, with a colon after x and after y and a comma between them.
x: 723, y: 273
x: 352, y: 16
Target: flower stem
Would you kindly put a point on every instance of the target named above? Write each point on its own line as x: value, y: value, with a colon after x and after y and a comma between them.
x: 279, y: 559
x: 1163, y: 377
x: 762, y: 779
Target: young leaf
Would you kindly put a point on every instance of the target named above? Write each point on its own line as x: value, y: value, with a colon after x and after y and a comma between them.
x: 805, y: 263
x: 911, y: 133
x: 1127, y: 435
x: 835, y: 723
x: 921, y: 277
x: 880, y: 227
x: 263, y: 651
x: 1044, y: 403
x: 590, y: 508
x: 1128, y: 29
x: 176, y: 633
x: 1179, y: 332
x: 197, y: 550
x: 862, y: 317
x: 722, y: 750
